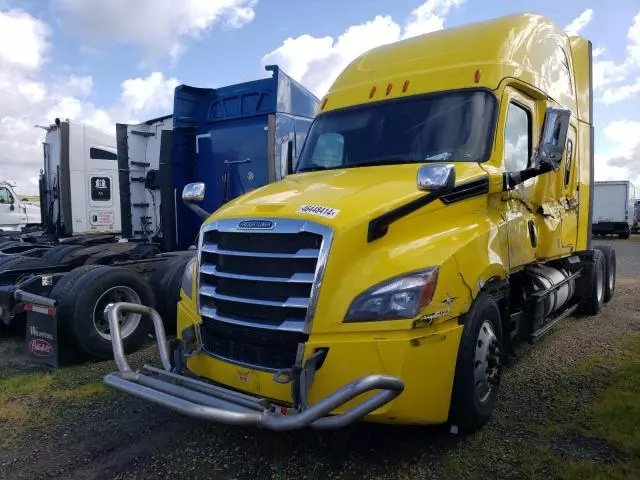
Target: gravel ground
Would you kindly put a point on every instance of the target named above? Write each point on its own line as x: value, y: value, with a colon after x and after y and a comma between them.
x: 116, y: 436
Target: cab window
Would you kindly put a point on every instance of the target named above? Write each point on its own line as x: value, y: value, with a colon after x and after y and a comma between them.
x: 5, y: 196
x: 517, y: 138
x: 329, y: 150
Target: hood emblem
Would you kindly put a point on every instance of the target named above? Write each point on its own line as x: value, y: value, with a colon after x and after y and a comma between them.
x: 256, y: 225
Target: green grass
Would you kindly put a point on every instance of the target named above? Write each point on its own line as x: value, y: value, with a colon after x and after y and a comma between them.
x: 587, y: 426
x: 33, y: 400
x: 612, y: 418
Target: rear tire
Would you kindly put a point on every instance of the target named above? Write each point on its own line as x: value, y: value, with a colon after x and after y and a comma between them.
x: 165, y: 282
x: 592, y: 285
x: 55, y: 255
x: 82, y: 295
x: 478, y: 366
x: 18, y: 262
x: 609, y: 270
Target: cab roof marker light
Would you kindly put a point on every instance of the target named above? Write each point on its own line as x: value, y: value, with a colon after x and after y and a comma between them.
x: 477, y: 76
x: 405, y: 87
x: 324, y: 103
x: 373, y: 92
x: 389, y: 87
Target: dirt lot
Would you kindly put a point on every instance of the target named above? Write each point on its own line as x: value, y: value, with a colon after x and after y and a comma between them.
x: 569, y: 408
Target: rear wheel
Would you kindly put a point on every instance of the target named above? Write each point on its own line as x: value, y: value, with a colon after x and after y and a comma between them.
x: 609, y: 254
x: 165, y: 282
x: 56, y: 255
x: 478, y: 366
x: 18, y: 262
x: 82, y: 298
x: 591, y: 286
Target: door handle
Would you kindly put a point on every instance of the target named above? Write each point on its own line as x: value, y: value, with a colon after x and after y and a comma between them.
x: 229, y: 162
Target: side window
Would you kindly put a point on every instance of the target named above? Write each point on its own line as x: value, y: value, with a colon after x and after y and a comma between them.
x: 100, y: 154
x: 517, y: 139
x: 329, y: 150
x: 568, y: 163
x: 5, y: 196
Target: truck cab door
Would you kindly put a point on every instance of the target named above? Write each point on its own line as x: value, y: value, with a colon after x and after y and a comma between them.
x: 517, y: 141
x: 12, y: 215
x: 569, y: 197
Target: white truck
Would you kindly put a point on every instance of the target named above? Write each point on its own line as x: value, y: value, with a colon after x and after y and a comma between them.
x: 613, y: 207
x: 16, y: 214
x: 79, y: 189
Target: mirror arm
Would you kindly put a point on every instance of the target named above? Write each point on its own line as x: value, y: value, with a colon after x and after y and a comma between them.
x: 512, y: 179
x: 201, y: 212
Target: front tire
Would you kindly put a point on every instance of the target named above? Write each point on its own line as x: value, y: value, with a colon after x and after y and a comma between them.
x: 478, y: 367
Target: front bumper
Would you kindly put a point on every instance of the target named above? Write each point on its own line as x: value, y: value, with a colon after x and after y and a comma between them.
x: 196, y: 398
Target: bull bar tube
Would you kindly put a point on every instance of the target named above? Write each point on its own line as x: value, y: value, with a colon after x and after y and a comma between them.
x: 195, y: 398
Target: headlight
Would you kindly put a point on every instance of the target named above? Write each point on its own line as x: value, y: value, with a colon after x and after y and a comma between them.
x: 400, y: 297
x: 187, y: 277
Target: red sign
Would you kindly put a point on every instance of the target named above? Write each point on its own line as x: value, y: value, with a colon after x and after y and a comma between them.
x: 40, y: 347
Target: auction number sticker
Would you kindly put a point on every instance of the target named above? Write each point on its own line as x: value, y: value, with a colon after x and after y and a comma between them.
x: 319, y: 210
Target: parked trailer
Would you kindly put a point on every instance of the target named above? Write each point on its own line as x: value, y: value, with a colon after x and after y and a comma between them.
x: 613, y: 205
x: 635, y: 228
x: 231, y: 137
x: 421, y: 239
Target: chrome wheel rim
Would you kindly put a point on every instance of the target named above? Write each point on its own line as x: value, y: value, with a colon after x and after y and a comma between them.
x: 486, y: 362
x: 600, y: 282
x: 612, y: 274
x: 128, y: 321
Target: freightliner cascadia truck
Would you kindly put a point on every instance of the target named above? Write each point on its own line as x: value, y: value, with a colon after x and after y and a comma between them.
x: 439, y: 214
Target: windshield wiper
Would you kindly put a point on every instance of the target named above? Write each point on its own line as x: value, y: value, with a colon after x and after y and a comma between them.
x: 374, y: 163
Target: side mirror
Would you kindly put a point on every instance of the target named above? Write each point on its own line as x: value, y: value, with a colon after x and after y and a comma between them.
x: 286, y: 157
x: 193, y: 192
x: 435, y: 177
x: 553, y: 138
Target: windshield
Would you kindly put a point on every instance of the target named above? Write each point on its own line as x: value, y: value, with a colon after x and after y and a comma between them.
x: 453, y: 126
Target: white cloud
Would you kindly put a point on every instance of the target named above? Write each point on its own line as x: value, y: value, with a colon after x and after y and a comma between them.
x: 27, y: 53
x: 608, y: 72
x: 31, y: 95
x: 580, y: 22
x: 159, y: 27
x: 429, y: 17
x: 616, y: 94
x: 623, y: 160
x: 146, y: 94
x: 317, y: 61
x: 634, y: 40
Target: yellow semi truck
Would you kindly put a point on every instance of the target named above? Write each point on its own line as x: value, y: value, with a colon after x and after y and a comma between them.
x: 438, y: 215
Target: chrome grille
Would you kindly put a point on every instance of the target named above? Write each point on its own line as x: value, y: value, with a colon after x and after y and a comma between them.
x: 257, y: 288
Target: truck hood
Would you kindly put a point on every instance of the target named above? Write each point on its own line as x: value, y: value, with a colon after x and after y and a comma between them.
x: 337, y: 197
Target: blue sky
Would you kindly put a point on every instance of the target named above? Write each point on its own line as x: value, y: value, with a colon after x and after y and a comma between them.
x: 102, y: 62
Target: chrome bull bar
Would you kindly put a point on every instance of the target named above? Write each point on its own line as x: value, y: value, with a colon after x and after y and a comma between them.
x: 196, y: 398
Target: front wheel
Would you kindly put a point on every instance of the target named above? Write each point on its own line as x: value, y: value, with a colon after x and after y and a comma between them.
x: 478, y: 367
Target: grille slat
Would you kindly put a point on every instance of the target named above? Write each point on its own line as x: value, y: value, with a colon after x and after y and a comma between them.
x: 291, y: 302
x: 294, y: 278
x: 302, y: 253
x: 256, y: 290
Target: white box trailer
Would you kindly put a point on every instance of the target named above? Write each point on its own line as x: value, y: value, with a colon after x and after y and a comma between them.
x: 613, y: 205
x: 79, y: 190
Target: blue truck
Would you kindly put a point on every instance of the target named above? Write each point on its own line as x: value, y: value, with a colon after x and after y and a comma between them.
x: 235, y: 138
